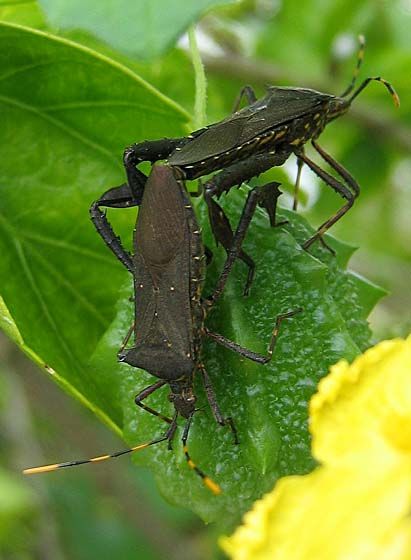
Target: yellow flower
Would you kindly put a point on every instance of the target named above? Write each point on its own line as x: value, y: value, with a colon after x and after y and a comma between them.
x: 357, y: 504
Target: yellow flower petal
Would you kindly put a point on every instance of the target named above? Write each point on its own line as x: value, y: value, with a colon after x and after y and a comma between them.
x: 330, y: 514
x: 357, y: 505
x: 365, y: 407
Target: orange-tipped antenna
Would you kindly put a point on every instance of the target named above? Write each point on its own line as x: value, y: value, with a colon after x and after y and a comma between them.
x: 211, y: 485
x: 54, y: 467
x: 360, y: 58
x: 390, y: 88
x: 207, y: 481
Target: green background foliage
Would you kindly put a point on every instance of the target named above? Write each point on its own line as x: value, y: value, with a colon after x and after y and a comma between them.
x: 69, y: 104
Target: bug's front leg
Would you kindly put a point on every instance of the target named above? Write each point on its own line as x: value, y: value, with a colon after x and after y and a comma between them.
x: 249, y: 93
x: 349, y: 189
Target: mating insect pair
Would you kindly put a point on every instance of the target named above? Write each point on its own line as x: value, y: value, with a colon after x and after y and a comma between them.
x: 169, y: 259
x: 168, y: 267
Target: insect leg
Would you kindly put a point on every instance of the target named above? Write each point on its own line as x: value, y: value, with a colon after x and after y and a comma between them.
x: 222, y: 182
x: 146, y: 393
x: 118, y: 197
x: 219, y: 418
x: 209, y: 254
x: 254, y: 356
x: 223, y: 233
x: 346, y: 175
x: 268, y: 200
x: 349, y: 190
x: 171, y: 431
x: 127, y: 338
x: 242, y: 171
x: 248, y: 92
x: 300, y: 164
x: 232, y: 242
x: 151, y: 150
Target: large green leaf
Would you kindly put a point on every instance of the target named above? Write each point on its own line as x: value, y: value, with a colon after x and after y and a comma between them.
x: 67, y: 113
x: 139, y: 28
x: 22, y: 12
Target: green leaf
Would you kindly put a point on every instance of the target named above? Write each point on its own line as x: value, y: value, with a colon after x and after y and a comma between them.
x: 24, y: 12
x: 67, y: 113
x: 139, y: 28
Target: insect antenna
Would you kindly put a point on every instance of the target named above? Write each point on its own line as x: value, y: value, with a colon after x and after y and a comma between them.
x: 360, y: 58
x: 207, y: 481
x: 55, y: 466
x: 365, y: 83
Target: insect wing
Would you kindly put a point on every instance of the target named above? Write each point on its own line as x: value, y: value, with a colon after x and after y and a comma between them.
x: 279, y: 106
x: 215, y: 140
x: 162, y: 264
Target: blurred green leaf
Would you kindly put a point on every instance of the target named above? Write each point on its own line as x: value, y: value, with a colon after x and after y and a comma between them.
x: 95, y: 527
x: 310, y: 27
x: 139, y: 28
x: 17, y: 508
x: 23, y: 12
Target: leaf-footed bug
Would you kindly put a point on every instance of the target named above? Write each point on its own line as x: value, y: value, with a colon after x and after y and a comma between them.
x: 258, y: 137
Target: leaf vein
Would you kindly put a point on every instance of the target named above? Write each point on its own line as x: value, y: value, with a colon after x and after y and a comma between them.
x: 37, y: 292
x: 70, y: 288
x: 62, y: 244
x: 62, y: 126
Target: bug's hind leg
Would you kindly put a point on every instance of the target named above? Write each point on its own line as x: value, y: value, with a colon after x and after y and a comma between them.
x: 254, y: 356
x: 268, y: 200
x: 150, y: 150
